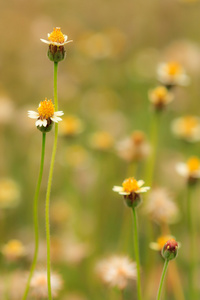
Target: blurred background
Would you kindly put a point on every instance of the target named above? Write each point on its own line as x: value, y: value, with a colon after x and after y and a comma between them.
x: 103, y: 86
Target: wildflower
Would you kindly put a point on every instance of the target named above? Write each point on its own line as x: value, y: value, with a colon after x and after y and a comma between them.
x: 187, y: 128
x: 160, y: 207
x: 160, y: 97
x: 190, y: 169
x: 170, y: 249
x: 45, y: 115
x: 56, y: 42
x: 71, y: 126
x: 101, y: 140
x: 13, y: 250
x: 160, y: 242
x: 130, y: 189
x: 133, y: 148
x: 116, y: 271
x: 39, y: 284
x: 171, y: 74
x: 9, y: 193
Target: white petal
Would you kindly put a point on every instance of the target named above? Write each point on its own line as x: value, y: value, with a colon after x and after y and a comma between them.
x: 44, y: 41
x: 55, y: 119
x: 140, y: 183
x: 124, y: 193
x: 118, y: 189
x: 143, y: 190
x: 41, y: 123
x: 33, y: 114
x: 58, y: 113
x: 182, y: 169
x: 154, y: 246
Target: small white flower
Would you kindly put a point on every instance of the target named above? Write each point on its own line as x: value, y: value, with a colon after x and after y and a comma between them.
x: 160, y: 96
x: 190, y: 169
x: 56, y: 38
x: 45, y: 114
x: 117, y: 271
x: 172, y: 73
x: 187, y: 128
x: 131, y: 185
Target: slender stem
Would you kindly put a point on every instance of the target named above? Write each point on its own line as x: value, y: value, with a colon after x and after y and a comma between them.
x: 49, y: 187
x: 191, y: 232
x: 35, y: 218
x: 137, y: 256
x: 154, y: 144
x: 162, y: 279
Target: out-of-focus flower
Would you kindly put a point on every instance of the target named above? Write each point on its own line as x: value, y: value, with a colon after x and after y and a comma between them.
x: 160, y: 97
x: 45, y: 115
x: 101, y: 140
x: 172, y: 73
x: 133, y: 148
x: 6, y: 110
x: 56, y: 38
x: 76, y: 156
x: 17, y: 284
x: 116, y: 271
x: 131, y: 189
x: 170, y: 249
x: 60, y: 212
x: 71, y: 126
x: 39, y: 287
x: 190, y: 169
x: 9, y: 193
x: 13, y: 250
x: 160, y: 242
x: 187, y: 128
x: 160, y: 207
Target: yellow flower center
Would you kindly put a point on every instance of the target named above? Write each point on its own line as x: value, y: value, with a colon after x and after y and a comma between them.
x: 46, y: 109
x: 138, y: 137
x: 189, y: 123
x: 174, y: 68
x: 160, y: 92
x: 56, y: 36
x: 130, y: 185
x: 193, y: 164
x: 162, y: 240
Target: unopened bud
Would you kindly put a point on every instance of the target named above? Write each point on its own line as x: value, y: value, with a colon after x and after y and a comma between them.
x: 46, y: 128
x: 170, y: 249
x: 132, y: 200
x: 56, y: 53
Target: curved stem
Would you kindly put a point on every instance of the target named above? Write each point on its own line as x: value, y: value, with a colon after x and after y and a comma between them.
x: 162, y: 279
x: 47, y: 205
x: 35, y: 218
x: 137, y: 256
x: 191, y: 232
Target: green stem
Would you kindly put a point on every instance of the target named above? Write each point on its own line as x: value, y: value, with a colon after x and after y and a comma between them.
x: 49, y: 187
x: 137, y: 256
x: 162, y: 278
x: 191, y: 232
x: 154, y: 144
x: 35, y: 218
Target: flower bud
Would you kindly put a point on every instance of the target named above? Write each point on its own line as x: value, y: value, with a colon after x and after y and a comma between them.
x: 132, y: 200
x: 56, y: 53
x: 47, y: 128
x: 170, y: 249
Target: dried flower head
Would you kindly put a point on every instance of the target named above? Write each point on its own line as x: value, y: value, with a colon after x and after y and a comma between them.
x: 172, y: 73
x: 160, y: 207
x: 130, y: 189
x: 160, y: 97
x: 190, y: 170
x: 116, y: 271
x: 9, y: 193
x: 13, y: 250
x: 187, y: 128
x: 160, y: 242
x: 170, y: 249
x: 133, y: 148
x: 46, y: 115
x: 39, y: 286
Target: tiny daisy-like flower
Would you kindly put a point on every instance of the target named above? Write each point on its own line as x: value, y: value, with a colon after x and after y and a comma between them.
x: 160, y: 97
x: 13, y: 250
x: 131, y: 189
x: 187, y: 128
x: 45, y: 115
x: 117, y: 271
x: 56, y: 38
x: 172, y: 73
x: 160, y: 242
x: 39, y: 285
x: 190, y: 169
